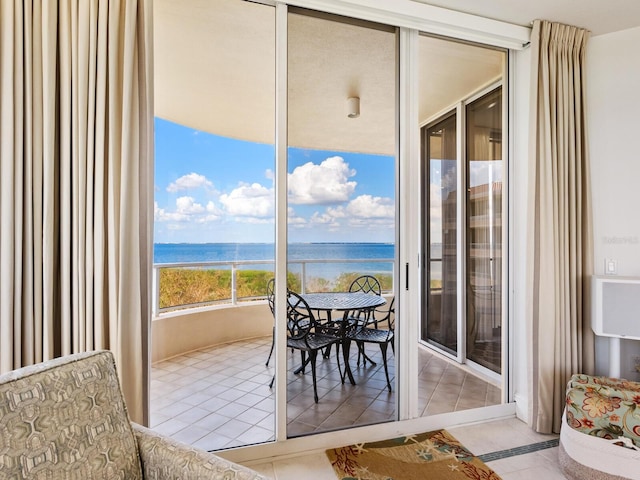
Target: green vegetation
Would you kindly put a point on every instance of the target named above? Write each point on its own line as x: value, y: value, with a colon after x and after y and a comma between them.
x: 186, y: 286
x: 344, y: 281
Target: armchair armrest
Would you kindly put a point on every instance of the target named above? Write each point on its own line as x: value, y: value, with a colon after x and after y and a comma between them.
x: 163, y: 458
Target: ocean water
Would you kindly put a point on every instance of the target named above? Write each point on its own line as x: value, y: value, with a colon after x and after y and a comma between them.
x: 314, y: 255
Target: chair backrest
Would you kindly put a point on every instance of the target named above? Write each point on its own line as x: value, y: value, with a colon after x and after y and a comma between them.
x: 366, y: 284
x: 271, y: 297
x: 389, y: 315
x: 300, y: 319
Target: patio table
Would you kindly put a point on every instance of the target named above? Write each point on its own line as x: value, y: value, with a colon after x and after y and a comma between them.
x: 343, y: 302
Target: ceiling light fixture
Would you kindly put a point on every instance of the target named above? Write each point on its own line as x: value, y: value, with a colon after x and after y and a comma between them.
x: 353, y: 107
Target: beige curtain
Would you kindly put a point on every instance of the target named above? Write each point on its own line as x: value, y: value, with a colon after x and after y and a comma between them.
x: 560, y: 230
x: 76, y: 177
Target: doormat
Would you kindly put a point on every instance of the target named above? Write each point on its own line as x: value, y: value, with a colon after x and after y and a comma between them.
x: 436, y: 455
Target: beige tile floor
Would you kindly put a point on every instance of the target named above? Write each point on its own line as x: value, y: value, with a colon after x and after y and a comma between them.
x: 480, y: 439
x: 219, y: 397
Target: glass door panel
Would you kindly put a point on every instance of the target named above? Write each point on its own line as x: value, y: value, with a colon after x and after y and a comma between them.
x: 214, y: 101
x: 460, y: 114
x: 440, y: 324
x: 341, y: 107
x: 484, y: 230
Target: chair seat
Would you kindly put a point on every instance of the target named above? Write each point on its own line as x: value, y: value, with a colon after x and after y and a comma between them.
x: 372, y: 335
x: 313, y: 341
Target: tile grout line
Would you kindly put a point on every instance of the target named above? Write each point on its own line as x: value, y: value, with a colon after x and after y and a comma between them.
x: 512, y: 452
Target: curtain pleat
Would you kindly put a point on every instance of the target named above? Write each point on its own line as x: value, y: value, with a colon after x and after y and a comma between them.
x: 76, y: 165
x: 560, y: 231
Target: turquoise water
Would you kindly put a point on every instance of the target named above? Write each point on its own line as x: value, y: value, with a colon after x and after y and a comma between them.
x: 225, y: 252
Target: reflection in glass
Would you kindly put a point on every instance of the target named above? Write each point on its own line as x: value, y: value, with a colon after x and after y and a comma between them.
x: 440, y: 324
x: 484, y: 230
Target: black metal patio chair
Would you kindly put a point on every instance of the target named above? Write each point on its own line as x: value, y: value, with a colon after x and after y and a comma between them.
x: 304, y: 334
x: 370, y: 333
x: 359, y: 318
x: 271, y: 301
x: 364, y: 284
x: 355, y: 318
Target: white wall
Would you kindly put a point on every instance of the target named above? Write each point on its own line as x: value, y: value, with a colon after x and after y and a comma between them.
x: 613, y: 103
x: 518, y: 194
x: 195, y: 328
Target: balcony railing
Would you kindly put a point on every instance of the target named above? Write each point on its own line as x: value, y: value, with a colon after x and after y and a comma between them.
x: 229, y: 276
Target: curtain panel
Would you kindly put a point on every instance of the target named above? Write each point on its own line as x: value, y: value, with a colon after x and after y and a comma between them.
x: 76, y: 173
x: 560, y: 251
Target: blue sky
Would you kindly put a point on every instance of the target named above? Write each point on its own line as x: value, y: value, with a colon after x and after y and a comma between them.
x: 211, y: 189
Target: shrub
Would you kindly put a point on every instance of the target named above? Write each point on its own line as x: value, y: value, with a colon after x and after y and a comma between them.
x: 189, y: 286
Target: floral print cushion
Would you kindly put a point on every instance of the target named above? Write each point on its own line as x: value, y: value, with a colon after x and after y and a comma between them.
x: 604, y: 407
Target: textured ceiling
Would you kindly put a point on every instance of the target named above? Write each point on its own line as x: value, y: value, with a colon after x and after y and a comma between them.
x: 215, y: 66
x: 215, y: 70
x: 329, y: 62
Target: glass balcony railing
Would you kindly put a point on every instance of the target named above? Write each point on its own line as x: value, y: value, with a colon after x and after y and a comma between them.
x: 179, y: 286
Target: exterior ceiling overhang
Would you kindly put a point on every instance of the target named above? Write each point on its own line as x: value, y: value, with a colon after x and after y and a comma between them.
x: 215, y: 72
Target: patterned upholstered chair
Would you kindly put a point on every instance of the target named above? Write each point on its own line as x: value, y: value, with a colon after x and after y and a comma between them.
x: 66, y: 419
x: 600, y: 432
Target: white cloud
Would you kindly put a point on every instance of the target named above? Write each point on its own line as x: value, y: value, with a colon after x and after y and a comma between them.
x: 448, y: 175
x: 252, y: 200
x: 213, y: 210
x: 187, y: 210
x: 294, y: 220
x: 483, y: 172
x: 364, y: 211
x: 323, y: 184
x: 324, y: 219
x: 337, y: 212
x: 188, y: 206
x: 435, y: 201
x: 161, y: 215
x: 188, y: 182
x: 367, y: 206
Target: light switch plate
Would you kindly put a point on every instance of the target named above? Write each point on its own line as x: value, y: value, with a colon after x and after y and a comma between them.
x: 610, y: 266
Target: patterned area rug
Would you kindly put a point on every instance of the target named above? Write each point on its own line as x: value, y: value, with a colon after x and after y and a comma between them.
x: 436, y: 455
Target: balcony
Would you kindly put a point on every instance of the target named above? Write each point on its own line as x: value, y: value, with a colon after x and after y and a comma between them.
x: 219, y: 397
x: 210, y: 384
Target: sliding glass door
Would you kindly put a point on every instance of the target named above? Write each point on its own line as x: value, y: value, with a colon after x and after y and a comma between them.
x: 482, y: 245
x: 254, y: 152
x: 214, y: 100
x: 484, y: 229
x: 341, y: 169
x: 462, y: 163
